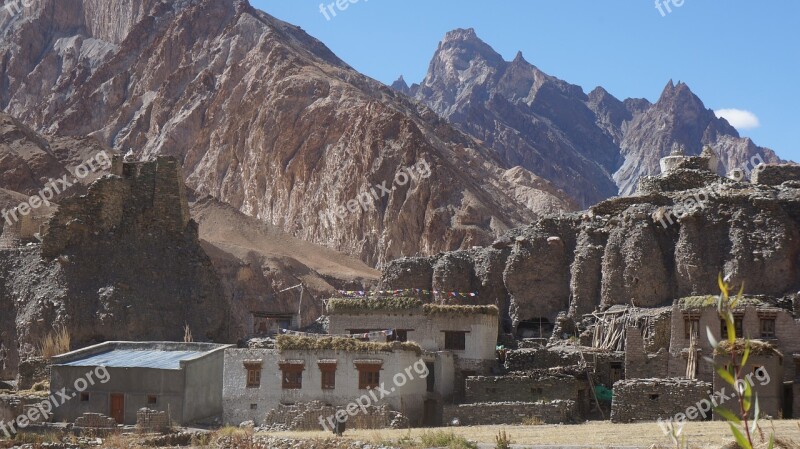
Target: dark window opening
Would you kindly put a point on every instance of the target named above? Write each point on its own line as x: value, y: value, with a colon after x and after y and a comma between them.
x: 767, y: 328
x: 654, y: 397
x: 292, y: 376
x: 152, y: 399
x: 455, y: 340
x: 535, y: 328
x: 328, y: 376
x: 431, y: 379
x: 84, y: 397
x: 691, y: 326
x: 253, y: 406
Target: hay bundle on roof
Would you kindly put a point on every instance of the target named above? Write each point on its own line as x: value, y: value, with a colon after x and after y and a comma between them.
x: 298, y: 343
x: 757, y: 347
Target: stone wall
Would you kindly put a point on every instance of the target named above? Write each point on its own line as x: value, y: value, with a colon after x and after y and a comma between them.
x: 638, y: 363
x: 652, y: 399
x: 309, y: 415
x: 32, y: 371
x: 12, y: 406
x: 152, y: 421
x: 776, y: 174
x: 487, y: 413
x: 529, y: 388
x: 95, y: 421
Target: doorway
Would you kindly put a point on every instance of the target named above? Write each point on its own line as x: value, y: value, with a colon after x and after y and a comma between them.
x: 118, y: 408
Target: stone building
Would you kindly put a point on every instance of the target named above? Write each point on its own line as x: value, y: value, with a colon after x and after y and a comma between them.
x: 120, y: 378
x: 637, y: 400
x: 469, y: 333
x: 763, y: 372
x: 759, y: 318
x: 335, y: 372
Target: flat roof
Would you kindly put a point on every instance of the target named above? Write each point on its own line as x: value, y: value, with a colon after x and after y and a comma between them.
x: 138, y: 358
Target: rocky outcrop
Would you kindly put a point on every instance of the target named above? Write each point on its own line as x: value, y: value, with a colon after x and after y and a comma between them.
x: 590, y: 146
x: 122, y: 262
x: 668, y: 241
x: 262, y: 117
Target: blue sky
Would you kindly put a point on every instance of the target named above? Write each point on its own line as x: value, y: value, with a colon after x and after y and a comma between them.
x: 734, y: 54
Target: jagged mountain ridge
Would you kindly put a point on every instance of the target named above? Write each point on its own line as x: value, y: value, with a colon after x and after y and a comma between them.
x: 591, y: 146
x: 264, y: 118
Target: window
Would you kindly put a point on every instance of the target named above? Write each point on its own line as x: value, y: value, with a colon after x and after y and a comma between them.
x: 431, y: 379
x: 292, y: 378
x: 654, y: 396
x: 369, y: 375
x: 152, y: 399
x: 737, y: 323
x: 758, y: 370
x: 690, y: 326
x: 536, y: 391
x: 328, y: 375
x: 768, y: 328
x: 84, y: 397
x: 455, y: 340
x: 253, y: 406
x: 616, y: 372
x: 400, y: 335
x: 253, y: 374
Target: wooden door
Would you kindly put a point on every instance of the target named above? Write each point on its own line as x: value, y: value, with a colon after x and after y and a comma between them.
x: 118, y: 408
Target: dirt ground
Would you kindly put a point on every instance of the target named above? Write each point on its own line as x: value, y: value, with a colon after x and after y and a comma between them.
x: 596, y: 434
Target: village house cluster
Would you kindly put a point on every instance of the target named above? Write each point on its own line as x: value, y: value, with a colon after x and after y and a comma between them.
x: 412, y: 361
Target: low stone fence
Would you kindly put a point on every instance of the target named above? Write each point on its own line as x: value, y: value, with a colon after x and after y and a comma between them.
x: 95, y: 421
x: 13, y: 405
x: 149, y: 421
x: 486, y: 413
x: 306, y: 416
x: 653, y: 399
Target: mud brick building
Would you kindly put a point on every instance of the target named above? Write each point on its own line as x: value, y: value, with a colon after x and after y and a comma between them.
x: 334, y: 372
x: 469, y: 333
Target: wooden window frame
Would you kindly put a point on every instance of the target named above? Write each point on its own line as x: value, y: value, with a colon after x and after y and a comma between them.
x: 770, y: 334
x: 253, y: 376
x: 292, y: 376
x: 462, y: 346
x: 327, y: 376
x: 369, y: 375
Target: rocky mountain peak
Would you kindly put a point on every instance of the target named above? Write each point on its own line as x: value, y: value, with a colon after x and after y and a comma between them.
x: 400, y: 85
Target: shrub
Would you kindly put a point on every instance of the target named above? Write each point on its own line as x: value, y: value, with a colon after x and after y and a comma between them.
x: 502, y: 441
x: 446, y: 439
x: 55, y: 343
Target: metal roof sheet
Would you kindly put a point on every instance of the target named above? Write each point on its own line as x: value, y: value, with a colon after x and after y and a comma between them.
x: 132, y: 358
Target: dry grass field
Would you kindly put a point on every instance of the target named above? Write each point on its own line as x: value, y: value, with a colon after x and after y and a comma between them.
x: 595, y: 434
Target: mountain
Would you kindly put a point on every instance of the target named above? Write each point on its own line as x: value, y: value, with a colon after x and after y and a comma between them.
x: 591, y: 146
x: 262, y: 117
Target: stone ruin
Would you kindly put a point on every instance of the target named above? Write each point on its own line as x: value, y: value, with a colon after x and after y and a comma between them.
x: 152, y: 421
x: 95, y: 422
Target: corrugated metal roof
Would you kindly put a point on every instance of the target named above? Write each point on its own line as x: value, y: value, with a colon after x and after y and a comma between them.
x: 131, y: 358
